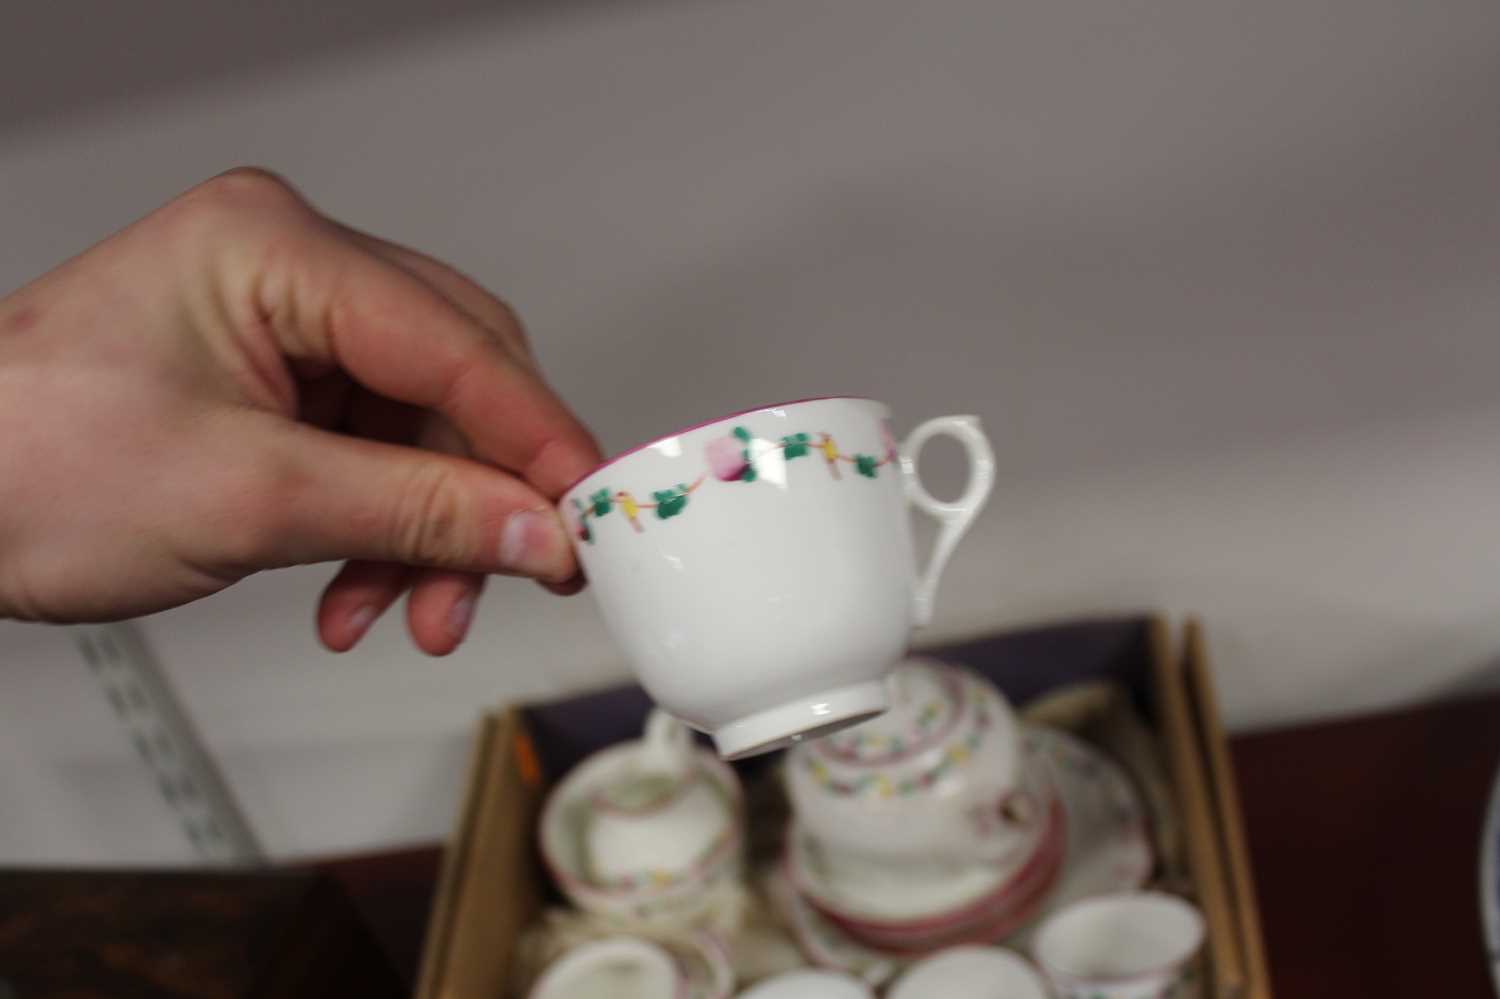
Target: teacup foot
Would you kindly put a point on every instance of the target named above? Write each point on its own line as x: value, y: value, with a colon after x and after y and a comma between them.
x: 804, y: 718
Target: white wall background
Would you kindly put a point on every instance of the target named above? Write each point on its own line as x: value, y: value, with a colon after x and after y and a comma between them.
x: 1223, y: 279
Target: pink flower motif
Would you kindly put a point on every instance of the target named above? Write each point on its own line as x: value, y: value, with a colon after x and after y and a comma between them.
x: 726, y: 458
x: 887, y: 440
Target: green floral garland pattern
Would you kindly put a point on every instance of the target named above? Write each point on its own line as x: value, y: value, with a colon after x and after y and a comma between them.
x: 883, y: 786
x: 668, y: 503
x: 860, y: 743
x: 859, y: 746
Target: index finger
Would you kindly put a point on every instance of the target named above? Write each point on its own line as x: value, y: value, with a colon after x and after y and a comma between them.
x: 398, y: 337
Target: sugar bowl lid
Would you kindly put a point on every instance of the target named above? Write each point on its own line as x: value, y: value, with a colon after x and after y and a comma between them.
x: 945, y: 725
x: 927, y: 704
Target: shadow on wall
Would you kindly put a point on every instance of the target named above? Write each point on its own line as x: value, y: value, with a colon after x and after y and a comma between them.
x: 70, y: 55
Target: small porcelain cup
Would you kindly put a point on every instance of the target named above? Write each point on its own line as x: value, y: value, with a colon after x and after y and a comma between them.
x: 970, y: 973
x: 809, y: 985
x: 659, y: 815
x: 1132, y: 945
x: 613, y: 968
x: 758, y: 570
x: 649, y: 830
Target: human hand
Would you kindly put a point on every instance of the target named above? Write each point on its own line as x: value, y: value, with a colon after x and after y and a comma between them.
x: 237, y: 383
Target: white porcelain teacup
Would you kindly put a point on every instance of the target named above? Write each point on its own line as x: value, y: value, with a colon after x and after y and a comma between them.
x: 658, y: 815
x: 1130, y: 945
x: 649, y: 830
x: 612, y: 968
x: 758, y: 570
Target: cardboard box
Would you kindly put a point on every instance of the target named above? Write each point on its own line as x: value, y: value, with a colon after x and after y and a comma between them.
x: 492, y: 883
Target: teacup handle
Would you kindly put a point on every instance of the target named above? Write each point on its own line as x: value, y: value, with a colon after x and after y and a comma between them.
x: 956, y: 516
x: 667, y: 745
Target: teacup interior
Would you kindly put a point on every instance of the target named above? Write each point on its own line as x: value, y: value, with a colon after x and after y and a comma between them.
x: 1120, y: 936
x: 640, y: 792
x: 573, y: 807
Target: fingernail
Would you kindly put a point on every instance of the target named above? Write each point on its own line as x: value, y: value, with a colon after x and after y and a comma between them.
x: 529, y: 543
x: 459, y: 616
x: 361, y: 619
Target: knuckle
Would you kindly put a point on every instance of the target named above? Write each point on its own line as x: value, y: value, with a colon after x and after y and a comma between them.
x: 254, y: 513
x: 253, y: 184
x: 235, y: 195
x: 507, y: 322
x: 505, y: 316
x: 501, y: 322
x: 341, y: 311
x: 431, y: 523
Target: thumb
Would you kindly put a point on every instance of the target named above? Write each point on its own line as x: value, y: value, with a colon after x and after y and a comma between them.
x: 346, y: 497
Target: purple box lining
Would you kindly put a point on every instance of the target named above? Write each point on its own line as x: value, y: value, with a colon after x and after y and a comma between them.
x: 1023, y: 664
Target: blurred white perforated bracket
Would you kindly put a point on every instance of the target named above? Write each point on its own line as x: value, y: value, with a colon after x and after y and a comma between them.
x: 167, y: 744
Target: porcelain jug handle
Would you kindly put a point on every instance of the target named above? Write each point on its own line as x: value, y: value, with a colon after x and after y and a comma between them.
x: 953, y: 517
x: 667, y: 747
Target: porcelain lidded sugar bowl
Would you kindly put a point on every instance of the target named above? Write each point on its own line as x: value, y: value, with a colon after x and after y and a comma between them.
x: 646, y: 830
x: 940, y: 776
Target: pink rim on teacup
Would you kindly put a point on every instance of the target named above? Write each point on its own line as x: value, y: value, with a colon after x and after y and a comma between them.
x: 720, y: 963
x: 703, y: 869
